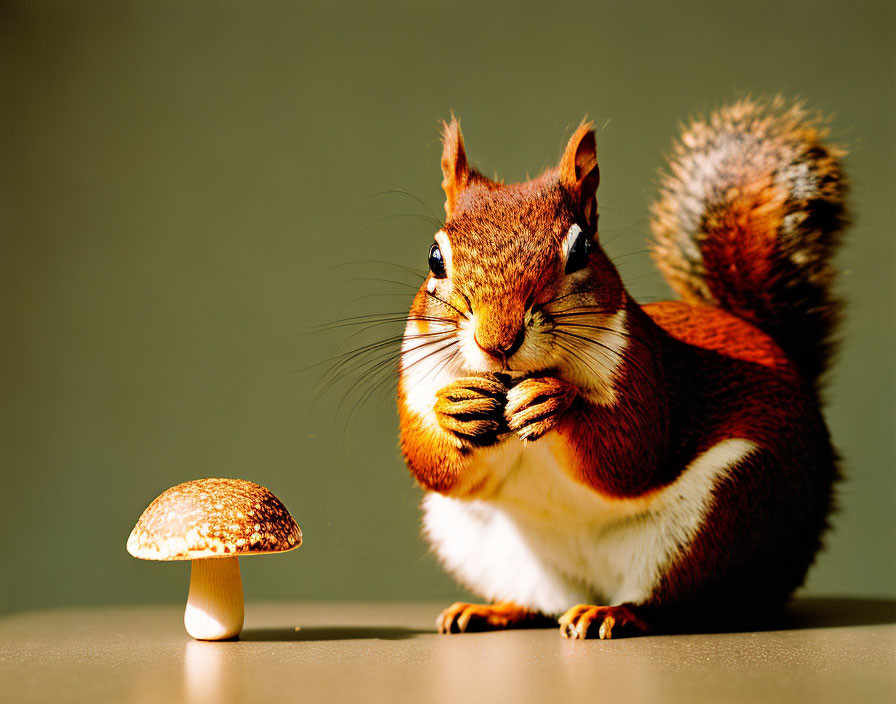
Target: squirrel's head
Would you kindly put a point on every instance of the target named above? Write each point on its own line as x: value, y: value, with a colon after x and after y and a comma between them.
x: 517, y: 279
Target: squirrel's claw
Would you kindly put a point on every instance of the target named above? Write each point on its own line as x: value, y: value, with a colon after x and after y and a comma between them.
x: 461, y: 617
x: 604, y: 622
x: 535, y: 404
x: 472, y: 409
x: 471, y: 387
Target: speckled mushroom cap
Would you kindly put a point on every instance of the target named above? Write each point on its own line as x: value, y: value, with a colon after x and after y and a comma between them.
x: 213, y: 518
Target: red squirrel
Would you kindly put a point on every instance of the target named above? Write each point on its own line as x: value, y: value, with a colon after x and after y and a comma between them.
x: 618, y: 468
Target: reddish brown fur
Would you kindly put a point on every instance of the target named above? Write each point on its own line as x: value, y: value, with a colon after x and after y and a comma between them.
x: 693, y: 375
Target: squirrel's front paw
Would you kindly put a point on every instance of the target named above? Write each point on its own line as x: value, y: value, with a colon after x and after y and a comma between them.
x: 535, y: 404
x: 471, y: 408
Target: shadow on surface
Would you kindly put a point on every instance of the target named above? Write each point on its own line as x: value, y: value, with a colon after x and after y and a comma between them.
x: 317, y: 633
x: 801, y: 614
x: 833, y: 612
x: 806, y: 613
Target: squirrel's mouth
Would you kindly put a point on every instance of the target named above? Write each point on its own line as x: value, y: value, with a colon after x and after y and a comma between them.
x: 532, y: 350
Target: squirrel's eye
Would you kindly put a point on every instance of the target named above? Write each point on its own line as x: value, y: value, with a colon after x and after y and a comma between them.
x: 579, y: 250
x: 436, y: 263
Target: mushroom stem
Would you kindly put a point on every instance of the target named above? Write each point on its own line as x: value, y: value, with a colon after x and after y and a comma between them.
x: 215, y: 603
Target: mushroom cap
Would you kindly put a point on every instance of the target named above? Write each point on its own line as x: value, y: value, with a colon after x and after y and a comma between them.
x: 213, y: 518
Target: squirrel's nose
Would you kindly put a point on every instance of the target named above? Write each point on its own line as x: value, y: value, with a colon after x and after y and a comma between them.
x: 500, y: 329
x: 501, y: 349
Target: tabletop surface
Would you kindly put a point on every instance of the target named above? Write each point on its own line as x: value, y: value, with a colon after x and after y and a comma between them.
x: 827, y: 650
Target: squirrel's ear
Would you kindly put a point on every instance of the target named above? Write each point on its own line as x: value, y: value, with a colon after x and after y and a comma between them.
x: 456, y: 172
x: 579, y: 172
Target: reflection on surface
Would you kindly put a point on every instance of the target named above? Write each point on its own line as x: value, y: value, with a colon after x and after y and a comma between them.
x: 208, y: 675
x: 805, y: 659
x: 506, y: 666
x: 835, y: 650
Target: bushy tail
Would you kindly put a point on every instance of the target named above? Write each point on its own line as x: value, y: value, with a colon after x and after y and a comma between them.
x: 749, y: 215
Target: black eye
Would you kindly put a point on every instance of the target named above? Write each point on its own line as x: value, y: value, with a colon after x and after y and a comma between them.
x: 436, y: 263
x: 578, y: 253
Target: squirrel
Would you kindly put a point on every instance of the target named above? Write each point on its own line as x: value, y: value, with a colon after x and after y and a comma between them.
x: 617, y: 468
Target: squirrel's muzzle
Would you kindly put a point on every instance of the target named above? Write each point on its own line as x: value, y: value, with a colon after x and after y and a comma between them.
x: 499, y: 331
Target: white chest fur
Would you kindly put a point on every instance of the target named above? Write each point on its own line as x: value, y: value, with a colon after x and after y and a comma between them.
x: 546, y: 542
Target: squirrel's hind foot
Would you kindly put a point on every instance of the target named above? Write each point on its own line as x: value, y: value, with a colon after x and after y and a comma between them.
x: 461, y: 617
x: 604, y: 622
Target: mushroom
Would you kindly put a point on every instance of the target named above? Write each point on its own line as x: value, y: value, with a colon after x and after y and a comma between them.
x: 211, y: 522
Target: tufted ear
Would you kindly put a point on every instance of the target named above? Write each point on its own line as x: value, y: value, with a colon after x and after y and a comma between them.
x: 456, y: 172
x: 579, y: 172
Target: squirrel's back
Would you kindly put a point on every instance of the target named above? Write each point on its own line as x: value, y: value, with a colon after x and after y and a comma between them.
x: 749, y: 215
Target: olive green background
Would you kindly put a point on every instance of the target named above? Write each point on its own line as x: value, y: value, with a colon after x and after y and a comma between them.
x: 189, y: 187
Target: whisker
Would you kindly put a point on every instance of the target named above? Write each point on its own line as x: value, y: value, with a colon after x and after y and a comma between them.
x: 394, y: 377
x: 443, y: 301
x: 348, y: 366
x: 575, y: 354
x: 370, y: 346
x: 362, y: 400
x: 384, y: 357
x: 632, y: 363
x: 380, y: 344
x: 648, y: 275
x: 386, y: 281
x: 620, y: 231
x: 379, y: 319
x: 402, y: 192
x: 578, y: 310
x: 627, y: 363
x: 597, y: 327
x: 599, y: 349
x: 616, y: 259
x: 345, y: 358
x: 560, y: 298
x: 414, y: 216
x: 430, y: 354
x: 590, y: 340
x: 416, y: 272
x: 448, y: 360
x: 367, y: 296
